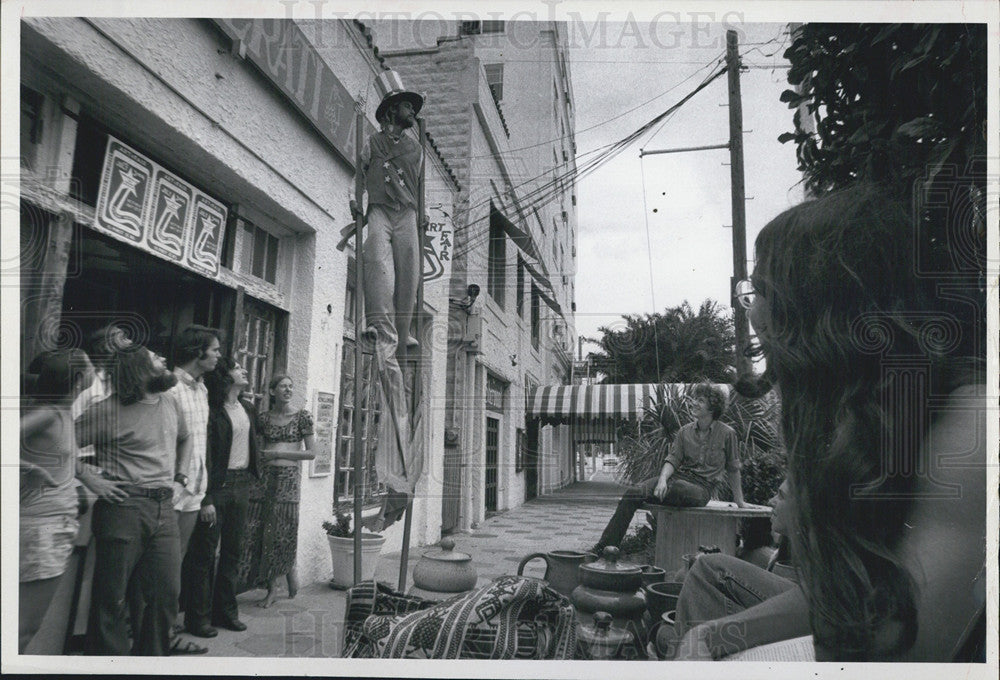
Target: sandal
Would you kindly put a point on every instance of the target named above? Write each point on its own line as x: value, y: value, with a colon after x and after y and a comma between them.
x: 181, y: 646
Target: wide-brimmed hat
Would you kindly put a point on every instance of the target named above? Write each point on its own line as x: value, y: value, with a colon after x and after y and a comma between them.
x: 390, y: 87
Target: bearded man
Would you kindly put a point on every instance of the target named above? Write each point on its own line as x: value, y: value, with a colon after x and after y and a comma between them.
x: 137, y: 435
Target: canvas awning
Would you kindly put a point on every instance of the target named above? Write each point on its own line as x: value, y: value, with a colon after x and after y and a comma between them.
x: 557, y: 404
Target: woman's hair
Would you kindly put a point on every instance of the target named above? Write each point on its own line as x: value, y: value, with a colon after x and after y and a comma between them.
x: 130, y: 369
x: 856, y: 340
x: 277, y: 378
x: 715, y: 397
x: 193, y: 342
x: 218, y: 382
x: 57, y: 373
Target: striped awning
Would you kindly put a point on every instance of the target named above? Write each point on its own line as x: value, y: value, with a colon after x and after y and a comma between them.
x: 588, y: 430
x: 565, y: 403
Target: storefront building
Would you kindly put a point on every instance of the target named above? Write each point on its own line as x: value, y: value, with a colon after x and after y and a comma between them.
x: 177, y: 171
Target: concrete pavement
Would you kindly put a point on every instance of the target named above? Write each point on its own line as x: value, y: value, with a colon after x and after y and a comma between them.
x: 311, y: 624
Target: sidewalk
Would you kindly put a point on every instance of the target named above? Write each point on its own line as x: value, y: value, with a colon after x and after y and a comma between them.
x: 571, y: 518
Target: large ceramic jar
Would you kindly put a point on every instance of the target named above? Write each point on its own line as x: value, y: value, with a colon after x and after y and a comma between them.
x: 608, y: 585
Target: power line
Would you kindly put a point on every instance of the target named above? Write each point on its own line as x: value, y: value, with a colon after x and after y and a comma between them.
x: 542, y: 194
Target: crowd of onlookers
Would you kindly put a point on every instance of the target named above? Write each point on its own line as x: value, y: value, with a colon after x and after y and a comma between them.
x: 191, y: 493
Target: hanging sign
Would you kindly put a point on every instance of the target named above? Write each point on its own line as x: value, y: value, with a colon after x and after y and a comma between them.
x: 146, y: 205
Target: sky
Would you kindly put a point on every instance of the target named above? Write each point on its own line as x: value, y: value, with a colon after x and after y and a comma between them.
x: 683, y: 199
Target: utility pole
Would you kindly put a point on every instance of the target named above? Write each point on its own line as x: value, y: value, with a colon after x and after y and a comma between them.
x: 743, y: 367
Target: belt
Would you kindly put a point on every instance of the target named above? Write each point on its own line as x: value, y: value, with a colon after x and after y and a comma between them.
x: 158, y: 493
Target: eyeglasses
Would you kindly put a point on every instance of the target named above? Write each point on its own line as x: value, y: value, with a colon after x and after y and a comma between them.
x: 745, y: 293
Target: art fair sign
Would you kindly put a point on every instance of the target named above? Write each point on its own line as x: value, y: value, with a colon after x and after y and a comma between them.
x: 146, y: 205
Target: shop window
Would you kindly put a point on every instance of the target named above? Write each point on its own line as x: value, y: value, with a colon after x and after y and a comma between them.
x: 260, y: 253
x: 478, y: 27
x: 349, y: 292
x: 536, y: 321
x: 520, y: 287
x: 494, y: 78
x: 497, y: 263
x: 88, y: 160
x: 255, y: 342
x: 31, y: 124
x: 344, y: 478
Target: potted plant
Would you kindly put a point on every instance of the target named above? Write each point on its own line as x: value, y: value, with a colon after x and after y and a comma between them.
x: 340, y: 535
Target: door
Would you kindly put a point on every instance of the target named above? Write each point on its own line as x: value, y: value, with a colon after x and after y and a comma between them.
x: 451, y: 489
x: 531, y: 461
x: 492, y: 458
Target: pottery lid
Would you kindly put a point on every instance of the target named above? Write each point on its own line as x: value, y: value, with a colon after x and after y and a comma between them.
x: 609, y: 564
x: 447, y: 553
x: 602, y: 634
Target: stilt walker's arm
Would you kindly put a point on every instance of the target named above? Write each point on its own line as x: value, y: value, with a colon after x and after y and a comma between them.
x: 419, y: 316
x: 359, y: 323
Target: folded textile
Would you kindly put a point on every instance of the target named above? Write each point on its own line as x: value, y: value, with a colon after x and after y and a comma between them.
x: 514, y: 617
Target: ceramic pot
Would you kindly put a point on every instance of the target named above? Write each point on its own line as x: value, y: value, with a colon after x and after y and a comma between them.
x: 342, y: 556
x: 652, y: 574
x: 562, y: 568
x: 608, y: 585
x: 662, y: 597
x: 602, y: 639
x: 444, y: 570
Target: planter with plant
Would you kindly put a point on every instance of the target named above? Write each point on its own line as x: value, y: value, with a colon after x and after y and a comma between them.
x: 340, y: 535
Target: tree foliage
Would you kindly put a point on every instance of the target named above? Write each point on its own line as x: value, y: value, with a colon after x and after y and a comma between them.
x: 690, y: 346
x: 888, y: 102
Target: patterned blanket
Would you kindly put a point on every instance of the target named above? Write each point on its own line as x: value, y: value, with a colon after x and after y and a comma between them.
x: 512, y: 618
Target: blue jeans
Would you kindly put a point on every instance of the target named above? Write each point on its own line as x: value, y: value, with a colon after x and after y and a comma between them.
x: 681, y: 493
x: 720, y: 585
x: 138, y: 538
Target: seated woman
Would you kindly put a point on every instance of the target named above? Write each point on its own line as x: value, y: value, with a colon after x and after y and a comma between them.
x: 880, y: 369
x: 702, y: 457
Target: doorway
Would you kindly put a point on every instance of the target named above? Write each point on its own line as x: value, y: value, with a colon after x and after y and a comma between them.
x: 531, y: 460
x: 492, y: 462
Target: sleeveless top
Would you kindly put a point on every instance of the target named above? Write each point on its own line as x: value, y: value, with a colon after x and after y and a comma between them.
x: 295, y: 430
x: 393, y: 174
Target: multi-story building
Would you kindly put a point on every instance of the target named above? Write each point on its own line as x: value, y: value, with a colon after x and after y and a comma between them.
x: 500, y: 105
x: 175, y: 171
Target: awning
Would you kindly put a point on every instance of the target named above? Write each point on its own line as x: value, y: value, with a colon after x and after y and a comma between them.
x: 587, y: 431
x: 564, y: 403
x: 534, y: 263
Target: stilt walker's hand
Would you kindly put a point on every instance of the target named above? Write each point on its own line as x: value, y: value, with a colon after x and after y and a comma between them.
x: 423, y: 222
x: 355, y: 210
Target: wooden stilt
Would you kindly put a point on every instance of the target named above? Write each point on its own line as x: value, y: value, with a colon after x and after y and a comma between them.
x: 416, y: 402
x: 359, y: 326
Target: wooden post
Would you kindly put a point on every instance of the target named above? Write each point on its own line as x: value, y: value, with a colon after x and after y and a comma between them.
x: 418, y: 377
x: 43, y: 308
x: 359, y: 325
x: 743, y: 367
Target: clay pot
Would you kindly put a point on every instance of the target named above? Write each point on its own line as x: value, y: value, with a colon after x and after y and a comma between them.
x: 652, y: 574
x: 662, y: 597
x: 342, y: 556
x: 602, y: 639
x: 443, y: 570
x: 608, y: 585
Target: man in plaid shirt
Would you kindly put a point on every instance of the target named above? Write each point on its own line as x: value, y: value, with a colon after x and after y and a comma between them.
x: 197, y: 353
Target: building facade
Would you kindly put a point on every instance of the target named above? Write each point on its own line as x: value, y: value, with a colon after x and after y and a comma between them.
x: 178, y: 171
x: 500, y: 105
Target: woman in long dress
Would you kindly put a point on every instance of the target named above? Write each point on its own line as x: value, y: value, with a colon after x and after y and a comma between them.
x: 273, y: 516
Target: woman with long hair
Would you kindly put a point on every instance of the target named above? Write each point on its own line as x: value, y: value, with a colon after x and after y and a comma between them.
x: 273, y: 517
x: 233, y: 468
x: 49, y: 503
x: 872, y: 322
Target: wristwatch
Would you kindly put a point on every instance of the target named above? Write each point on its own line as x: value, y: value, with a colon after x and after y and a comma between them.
x: 181, y: 479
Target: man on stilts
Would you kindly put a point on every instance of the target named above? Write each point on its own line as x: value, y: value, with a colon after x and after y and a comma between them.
x: 391, y: 167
